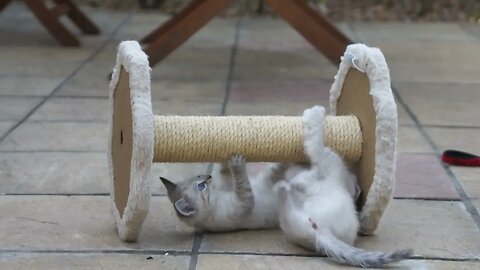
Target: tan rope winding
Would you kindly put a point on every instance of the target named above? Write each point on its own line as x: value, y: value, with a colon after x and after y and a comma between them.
x: 259, y: 138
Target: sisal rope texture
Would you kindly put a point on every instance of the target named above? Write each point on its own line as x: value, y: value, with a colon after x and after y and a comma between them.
x: 258, y: 138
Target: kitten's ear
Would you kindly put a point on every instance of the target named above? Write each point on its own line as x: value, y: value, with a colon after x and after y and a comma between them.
x: 169, y: 185
x: 185, y: 208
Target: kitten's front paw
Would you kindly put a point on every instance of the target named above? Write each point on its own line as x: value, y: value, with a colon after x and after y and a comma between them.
x: 236, y: 162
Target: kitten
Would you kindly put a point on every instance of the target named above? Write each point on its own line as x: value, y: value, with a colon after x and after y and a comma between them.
x: 316, y: 205
x: 227, y: 201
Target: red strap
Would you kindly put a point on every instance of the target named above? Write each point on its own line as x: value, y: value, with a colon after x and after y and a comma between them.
x: 460, y: 158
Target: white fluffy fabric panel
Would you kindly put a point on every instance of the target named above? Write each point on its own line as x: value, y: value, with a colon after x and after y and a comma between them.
x: 135, y: 62
x: 372, y: 62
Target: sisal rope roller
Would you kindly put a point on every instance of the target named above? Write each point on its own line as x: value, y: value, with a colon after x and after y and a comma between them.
x: 363, y: 131
x: 258, y: 138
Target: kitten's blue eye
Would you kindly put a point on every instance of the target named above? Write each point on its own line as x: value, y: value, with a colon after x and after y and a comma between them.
x: 201, y: 186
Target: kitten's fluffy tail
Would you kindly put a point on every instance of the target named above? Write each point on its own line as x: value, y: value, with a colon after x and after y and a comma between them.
x: 341, y: 252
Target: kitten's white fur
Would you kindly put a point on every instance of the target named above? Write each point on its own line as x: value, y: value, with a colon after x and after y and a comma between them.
x: 231, y: 201
x: 224, y: 204
x: 316, y: 206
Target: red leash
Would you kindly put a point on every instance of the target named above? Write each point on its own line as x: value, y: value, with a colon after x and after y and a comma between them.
x: 460, y: 158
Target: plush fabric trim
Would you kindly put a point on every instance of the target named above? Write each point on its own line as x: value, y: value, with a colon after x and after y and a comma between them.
x: 372, y: 62
x: 135, y: 63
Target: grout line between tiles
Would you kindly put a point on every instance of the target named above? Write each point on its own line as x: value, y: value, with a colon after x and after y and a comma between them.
x: 70, y: 76
x: 440, y: 126
x: 470, y: 208
x: 100, y: 251
x: 197, y: 242
x: 188, y: 253
x: 311, y: 255
x: 231, y: 67
x: 428, y: 199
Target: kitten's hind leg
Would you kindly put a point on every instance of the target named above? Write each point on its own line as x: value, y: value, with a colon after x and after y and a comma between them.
x: 274, y: 172
x: 313, y: 121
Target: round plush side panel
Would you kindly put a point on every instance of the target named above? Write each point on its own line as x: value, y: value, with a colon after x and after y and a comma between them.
x: 130, y: 146
x: 362, y: 88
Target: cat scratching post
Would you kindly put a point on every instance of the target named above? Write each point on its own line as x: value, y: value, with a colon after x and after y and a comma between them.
x: 363, y: 131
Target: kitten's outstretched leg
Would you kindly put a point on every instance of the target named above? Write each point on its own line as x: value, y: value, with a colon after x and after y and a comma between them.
x: 313, y: 122
x: 241, y: 183
x: 322, y: 158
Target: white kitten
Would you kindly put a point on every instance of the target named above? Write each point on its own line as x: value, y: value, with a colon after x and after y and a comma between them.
x: 227, y: 201
x: 316, y: 206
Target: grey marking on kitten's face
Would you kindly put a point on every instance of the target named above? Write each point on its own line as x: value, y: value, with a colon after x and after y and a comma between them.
x: 188, y: 196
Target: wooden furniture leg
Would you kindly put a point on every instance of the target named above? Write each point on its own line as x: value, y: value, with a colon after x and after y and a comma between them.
x: 79, y: 18
x: 4, y: 3
x: 50, y: 18
x: 168, y: 37
x: 52, y: 23
x: 315, y: 28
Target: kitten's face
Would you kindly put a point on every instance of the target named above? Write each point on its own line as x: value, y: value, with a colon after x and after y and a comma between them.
x: 189, y: 197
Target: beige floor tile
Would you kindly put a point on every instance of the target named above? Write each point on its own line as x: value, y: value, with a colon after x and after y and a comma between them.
x: 410, y: 140
x: 431, y: 61
x: 431, y: 228
x: 54, y: 173
x: 408, y: 32
x: 60, y: 173
x: 450, y: 104
x: 261, y: 65
x: 31, y: 86
x: 272, y: 108
x: 38, y: 69
x: 73, y: 109
x: 470, y: 179
x: 92, y: 261
x: 83, y: 223
x: 422, y: 176
x: 463, y: 139
x: 57, y: 136
x: 16, y: 108
x: 240, y: 262
x: 5, y: 126
x: 270, y: 34
x: 275, y: 34
x: 164, y: 107
x: 447, y: 265
x: 403, y: 117
x: 262, y: 241
x: 194, y: 64
x: 173, y: 90
x: 91, y: 80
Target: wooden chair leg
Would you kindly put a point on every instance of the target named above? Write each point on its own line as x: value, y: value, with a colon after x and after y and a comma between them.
x: 52, y: 23
x: 4, y: 3
x: 79, y: 18
x: 315, y: 28
x: 165, y: 39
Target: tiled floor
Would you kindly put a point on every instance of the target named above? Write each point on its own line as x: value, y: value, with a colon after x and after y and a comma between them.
x: 54, y: 203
